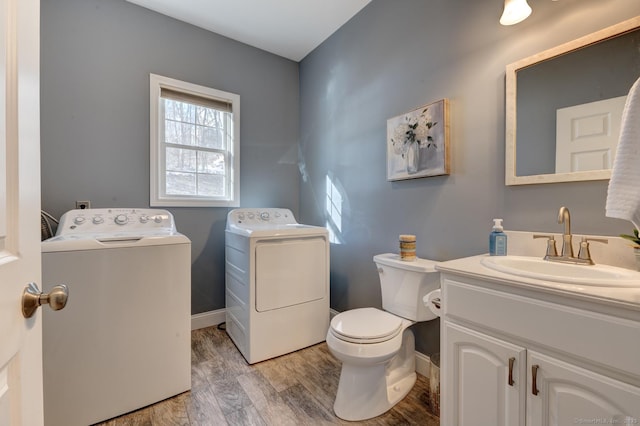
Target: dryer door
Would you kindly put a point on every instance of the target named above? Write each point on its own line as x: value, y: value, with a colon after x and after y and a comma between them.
x: 290, y: 272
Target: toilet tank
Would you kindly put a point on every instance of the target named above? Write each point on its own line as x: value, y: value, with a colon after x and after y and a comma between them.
x: 405, y: 283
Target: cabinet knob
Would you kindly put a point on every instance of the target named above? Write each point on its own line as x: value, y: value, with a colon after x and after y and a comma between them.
x: 534, y: 379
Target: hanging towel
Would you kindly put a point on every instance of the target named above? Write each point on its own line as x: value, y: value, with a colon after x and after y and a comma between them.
x: 623, y: 196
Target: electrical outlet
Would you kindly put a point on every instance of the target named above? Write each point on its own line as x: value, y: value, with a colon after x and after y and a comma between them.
x: 83, y: 205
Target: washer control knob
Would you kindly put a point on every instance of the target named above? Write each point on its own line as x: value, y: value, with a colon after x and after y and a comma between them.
x: 264, y: 215
x: 79, y: 220
x: 121, y: 219
x: 251, y: 215
x: 157, y: 219
x: 97, y: 220
x: 144, y: 218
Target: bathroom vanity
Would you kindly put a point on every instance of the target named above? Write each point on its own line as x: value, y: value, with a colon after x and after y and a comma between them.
x: 518, y: 350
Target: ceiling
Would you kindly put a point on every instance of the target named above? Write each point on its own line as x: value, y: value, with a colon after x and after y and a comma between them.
x: 288, y: 28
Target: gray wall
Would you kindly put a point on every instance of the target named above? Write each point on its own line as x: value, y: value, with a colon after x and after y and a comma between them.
x: 390, y: 58
x: 96, y: 56
x: 393, y: 57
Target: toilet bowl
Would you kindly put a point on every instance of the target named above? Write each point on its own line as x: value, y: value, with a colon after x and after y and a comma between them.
x: 376, y: 347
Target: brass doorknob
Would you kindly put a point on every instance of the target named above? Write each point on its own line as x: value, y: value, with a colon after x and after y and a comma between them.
x: 32, y: 298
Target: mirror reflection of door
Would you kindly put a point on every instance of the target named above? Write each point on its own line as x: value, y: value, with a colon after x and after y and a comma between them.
x: 587, y: 135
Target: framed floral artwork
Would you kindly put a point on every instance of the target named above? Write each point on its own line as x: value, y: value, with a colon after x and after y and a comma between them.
x: 418, y: 142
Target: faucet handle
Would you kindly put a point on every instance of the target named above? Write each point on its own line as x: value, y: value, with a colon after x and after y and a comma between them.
x: 584, y: 252
x: 597, y: 240
x: 551, y: 245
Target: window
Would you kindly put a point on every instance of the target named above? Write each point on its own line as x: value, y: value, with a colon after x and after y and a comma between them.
x: 194, y: 141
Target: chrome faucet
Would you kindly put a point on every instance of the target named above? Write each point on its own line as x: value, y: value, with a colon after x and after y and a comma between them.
x: 566, y: 254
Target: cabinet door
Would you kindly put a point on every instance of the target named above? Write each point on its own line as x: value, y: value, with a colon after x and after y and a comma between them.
x: 567, y: 395
x: 476, y: 389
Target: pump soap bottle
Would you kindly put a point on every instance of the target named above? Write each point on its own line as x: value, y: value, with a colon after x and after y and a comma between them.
x: 497, y: 239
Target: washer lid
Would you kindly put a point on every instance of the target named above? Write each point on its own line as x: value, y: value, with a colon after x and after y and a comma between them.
x: 366, y: 324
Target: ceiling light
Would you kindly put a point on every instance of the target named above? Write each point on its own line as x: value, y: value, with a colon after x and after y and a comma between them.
x: 515, y: 11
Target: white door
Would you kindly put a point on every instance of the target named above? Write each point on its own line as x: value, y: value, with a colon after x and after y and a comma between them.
x: 483, y: 379
x: 587, y: 135
x: 20, y: 339
x: 568, y: 395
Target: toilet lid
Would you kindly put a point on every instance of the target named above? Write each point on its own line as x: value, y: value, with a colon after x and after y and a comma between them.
x: 365, y: 325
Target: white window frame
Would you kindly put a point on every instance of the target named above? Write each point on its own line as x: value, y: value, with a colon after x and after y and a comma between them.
x: 157, y: 196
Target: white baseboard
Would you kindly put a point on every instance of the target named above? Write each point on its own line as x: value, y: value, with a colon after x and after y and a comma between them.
x: 423, y: 364
x: 207, y: 319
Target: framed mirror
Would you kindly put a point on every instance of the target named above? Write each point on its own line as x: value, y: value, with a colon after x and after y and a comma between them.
x: 564, y: 106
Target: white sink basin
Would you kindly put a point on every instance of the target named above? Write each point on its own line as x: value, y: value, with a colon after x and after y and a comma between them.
x: 538, y: 268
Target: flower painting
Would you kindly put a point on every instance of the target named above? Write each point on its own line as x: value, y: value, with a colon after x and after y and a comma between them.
x: 418, y: 143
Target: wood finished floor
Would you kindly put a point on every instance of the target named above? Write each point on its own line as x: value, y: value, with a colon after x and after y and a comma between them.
x: 294, y: 389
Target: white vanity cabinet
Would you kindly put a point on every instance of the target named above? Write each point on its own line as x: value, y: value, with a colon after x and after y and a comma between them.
x: 478, y: 376
x: 568, y: 394
x: 516, y: 355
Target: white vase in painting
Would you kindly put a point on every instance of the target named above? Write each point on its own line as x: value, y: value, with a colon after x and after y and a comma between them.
x: 412, y: 156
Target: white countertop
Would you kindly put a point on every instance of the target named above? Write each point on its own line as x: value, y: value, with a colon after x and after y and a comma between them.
x: 624, y: 297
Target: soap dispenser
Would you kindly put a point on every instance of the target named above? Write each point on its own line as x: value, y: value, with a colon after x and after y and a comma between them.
x: 497, y: 239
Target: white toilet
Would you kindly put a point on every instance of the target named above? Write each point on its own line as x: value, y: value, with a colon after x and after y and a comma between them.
x: 376, y: 347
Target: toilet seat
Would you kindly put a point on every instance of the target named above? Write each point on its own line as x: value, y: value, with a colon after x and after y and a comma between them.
x: 365, y: 325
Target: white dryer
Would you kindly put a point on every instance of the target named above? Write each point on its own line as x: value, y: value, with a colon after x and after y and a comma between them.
x: 277, y: 282
x: 124, y: 339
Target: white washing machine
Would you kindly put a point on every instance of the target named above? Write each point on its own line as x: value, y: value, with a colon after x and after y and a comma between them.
x: 124, y: 339
x: 277, y: 282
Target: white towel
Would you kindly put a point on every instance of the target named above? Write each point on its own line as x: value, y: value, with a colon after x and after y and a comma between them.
x: 623, y: 197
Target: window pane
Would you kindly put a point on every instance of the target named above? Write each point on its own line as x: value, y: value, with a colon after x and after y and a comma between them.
x: 209, y: 116
x: 179, y: 183
x: 211, y: 185
x: 179, y: 111
x: 179, y: 133
x: 181, y: 160
x: 211, y: 162
x: 209, y: 137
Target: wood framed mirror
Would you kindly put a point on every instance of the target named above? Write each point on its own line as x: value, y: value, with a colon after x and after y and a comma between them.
x: 564, y: 106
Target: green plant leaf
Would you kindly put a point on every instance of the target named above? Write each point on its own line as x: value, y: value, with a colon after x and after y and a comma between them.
x: 633, y: 238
